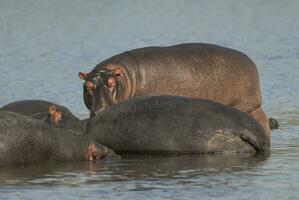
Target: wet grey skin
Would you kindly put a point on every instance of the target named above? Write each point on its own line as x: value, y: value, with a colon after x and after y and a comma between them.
x: 176, y: 125
x: 38, y: 109
x: 28, y: 141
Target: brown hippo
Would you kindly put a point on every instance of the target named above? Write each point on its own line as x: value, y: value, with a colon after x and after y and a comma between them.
x: 196, y: 70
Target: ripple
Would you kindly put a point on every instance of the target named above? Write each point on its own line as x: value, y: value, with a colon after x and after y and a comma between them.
x: 44, y: 44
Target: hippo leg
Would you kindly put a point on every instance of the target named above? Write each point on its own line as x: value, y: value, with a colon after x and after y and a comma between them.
x: 257, y: 113
x: 262, y: 118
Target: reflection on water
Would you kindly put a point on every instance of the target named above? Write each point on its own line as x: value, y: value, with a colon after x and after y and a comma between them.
x: 110, y: 178
x: 44, y: 44
x: 151, y: 168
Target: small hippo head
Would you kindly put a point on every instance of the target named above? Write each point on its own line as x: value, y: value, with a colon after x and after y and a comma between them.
x: 101, y: 89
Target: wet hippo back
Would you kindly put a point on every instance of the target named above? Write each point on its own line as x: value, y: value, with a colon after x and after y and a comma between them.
x: 25, y: 140
x: 171, y: 124
x: 202, y: 71
x: 195, y: 70
x: 38, y: 109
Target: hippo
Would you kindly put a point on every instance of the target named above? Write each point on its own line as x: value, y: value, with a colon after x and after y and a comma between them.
x: 27, y: 141
x: 157, y: 125
x: 46, y: 111
x: 195, y: 70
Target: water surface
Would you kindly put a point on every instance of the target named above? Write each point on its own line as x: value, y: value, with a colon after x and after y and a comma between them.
x: 44, y: 44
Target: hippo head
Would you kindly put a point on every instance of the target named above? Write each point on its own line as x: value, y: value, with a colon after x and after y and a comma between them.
x: 101, y: 89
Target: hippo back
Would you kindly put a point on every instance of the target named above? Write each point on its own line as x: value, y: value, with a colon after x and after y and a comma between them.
x: 38, y: 109
x: 176, y: 125
x: 198, y: 70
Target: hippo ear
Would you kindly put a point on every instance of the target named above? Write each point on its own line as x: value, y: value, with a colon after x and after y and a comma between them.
x: 82, y: 75
x: 55, y: 115
x: 52, y: 110
x: 58, y: 115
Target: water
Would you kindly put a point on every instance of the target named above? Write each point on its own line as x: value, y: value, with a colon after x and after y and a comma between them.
x: 44, y: 44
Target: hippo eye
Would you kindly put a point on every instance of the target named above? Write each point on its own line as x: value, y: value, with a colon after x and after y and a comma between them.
x: 90, y: 86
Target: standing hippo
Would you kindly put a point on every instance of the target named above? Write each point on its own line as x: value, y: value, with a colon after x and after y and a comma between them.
x: 25, y: 140
x: 176, y: 125
x: 198, y: 70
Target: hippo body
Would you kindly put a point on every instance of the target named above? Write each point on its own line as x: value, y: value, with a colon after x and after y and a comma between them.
x: 195, y: 70
x: 27, y: 141
x: 38, y: 109
x: 176, y: 125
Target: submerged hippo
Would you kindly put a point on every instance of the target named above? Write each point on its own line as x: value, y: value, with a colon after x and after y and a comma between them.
x: 201, y: 71
x: 43, y: 110
x: 176, y: 125
x: 48, y: 112
x: 24, y: 140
